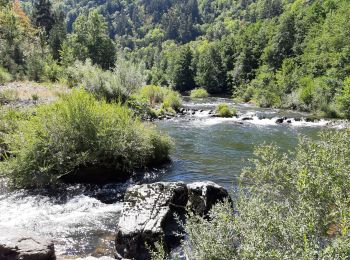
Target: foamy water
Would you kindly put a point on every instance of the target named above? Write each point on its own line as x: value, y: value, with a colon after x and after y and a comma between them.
x: 76, y: 224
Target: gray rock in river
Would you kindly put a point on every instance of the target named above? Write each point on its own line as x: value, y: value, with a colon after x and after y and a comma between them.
x: 21, y: 245
x: 204, y: 195
x: 149, y: 211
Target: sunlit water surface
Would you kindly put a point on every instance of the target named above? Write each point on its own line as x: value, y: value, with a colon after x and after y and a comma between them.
x: 82, y: 219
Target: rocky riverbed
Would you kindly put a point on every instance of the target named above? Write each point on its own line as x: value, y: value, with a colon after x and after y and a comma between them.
x: 151, y: 213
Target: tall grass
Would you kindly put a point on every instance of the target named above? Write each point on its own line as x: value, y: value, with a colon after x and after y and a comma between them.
x: 79, y: 131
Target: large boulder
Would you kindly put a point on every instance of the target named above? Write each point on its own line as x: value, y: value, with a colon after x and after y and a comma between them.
x: 203, y: 195
x: 151, y: 213
x: 21, y: 245
x: 148, y: 216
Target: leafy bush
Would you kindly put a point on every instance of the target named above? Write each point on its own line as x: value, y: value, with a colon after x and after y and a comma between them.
x: 224, y: 110
x: 289, y: 206
x: 78, y: 131
x: 199, y: 93
x: 9, y: 120
x: 166, y: 98
x: 172, y: 100
x: 5, y: 76
x: 118, y: 84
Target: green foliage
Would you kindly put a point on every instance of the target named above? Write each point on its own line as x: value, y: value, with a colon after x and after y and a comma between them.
x: 89, y: 39
x: 343, y: 99
x: 79, y: 131
x: 9, y: 121
x: 210, y: 72
x: 4, y: 76
x: 291, y: 206
x: 224, y: 110
x: 126, y: 78
x: 199, y: 93
x: 162, y: 97
x: 182, y: 72
x: 172, y: 100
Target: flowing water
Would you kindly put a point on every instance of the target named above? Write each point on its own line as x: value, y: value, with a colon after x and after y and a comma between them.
x: 82, y: 219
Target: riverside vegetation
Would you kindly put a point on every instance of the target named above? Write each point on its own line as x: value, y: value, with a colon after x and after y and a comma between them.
x: 124, y: 59
x: 290, y: 206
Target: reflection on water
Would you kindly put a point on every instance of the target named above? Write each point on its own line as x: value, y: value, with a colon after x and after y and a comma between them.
x: 82, y: 219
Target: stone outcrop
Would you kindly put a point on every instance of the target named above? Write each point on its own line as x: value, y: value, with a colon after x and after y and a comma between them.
x: 151, y: 214
x: 203, y: 195
x: 21, y: 245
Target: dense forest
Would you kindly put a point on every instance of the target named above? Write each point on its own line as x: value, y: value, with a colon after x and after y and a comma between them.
x: 276, y: 53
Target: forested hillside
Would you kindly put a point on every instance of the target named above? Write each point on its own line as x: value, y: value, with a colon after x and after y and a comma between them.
x: 276, y: 53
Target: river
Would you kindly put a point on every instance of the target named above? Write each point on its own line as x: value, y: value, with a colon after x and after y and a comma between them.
x: 82, y: 219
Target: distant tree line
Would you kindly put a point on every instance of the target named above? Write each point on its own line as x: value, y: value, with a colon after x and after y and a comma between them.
x: 275, y: 53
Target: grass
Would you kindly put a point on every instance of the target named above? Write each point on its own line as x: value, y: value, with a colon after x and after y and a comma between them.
x: 80, y: 131
x: 199, y: 93
x: 7, y: 96
x: 224, y: 110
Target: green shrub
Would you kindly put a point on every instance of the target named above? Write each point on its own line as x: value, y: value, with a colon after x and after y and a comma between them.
x: 9, y: 120
x: 172, y: 100
x: 165, y: 98
x: 78, y: 131
x: 111, y: 85
x: 343, y: 99
x: 199, y: 93
x: 153, y: 94
x: 5, y: 76
x: 224, y: 110
x: 288, y: 206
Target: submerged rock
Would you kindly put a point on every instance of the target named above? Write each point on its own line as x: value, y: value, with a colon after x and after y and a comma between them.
x: 21, y: 245
x: 279, y: 120
x: 151, y: 214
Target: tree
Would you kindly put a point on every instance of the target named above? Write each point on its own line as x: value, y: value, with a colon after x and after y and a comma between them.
x: 182, y: 72
x: 89, y: 39
x: 42, y: 15
x: 210, y: 71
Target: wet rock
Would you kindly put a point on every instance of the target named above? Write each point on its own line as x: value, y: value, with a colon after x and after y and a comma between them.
x: 202, y: 196
x: 297, y: 119
x: 148, y: 216
x: 21, y: 245
x: 279, y: 120
x: 246, y: 118
x: 289, y: 121
x: 149, y: 210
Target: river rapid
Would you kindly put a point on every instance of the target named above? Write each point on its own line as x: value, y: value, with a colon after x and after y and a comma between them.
x: 81, y: 219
